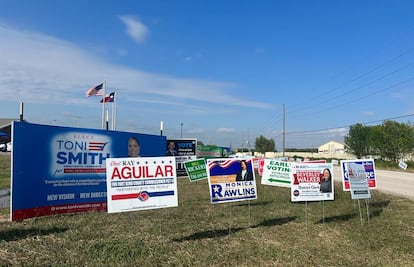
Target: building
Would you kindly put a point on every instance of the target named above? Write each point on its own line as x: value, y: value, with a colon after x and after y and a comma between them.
x: 331, y: 148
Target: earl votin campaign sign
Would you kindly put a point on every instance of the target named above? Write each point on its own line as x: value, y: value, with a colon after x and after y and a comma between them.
x: 141, y: 183
x: 231, y: 180
x: 276, y: 173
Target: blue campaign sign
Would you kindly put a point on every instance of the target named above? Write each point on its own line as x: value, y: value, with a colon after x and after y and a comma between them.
x: 63, y: 169
x: 231, y: 180
x: 368, y: 166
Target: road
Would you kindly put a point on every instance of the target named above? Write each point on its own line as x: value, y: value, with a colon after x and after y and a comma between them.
x: 392, y: 182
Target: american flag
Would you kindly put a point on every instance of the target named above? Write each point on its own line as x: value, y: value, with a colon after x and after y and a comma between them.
x: 96, y: 146
x: 95, y: 91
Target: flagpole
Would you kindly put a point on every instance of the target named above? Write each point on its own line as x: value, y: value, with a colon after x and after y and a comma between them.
x: 103, y: 105
x: 114, y: 106
x: 112, y: 119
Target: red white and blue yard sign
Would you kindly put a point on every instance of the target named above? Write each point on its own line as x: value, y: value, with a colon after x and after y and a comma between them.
x: 369, y: 167
x: 141, y: 183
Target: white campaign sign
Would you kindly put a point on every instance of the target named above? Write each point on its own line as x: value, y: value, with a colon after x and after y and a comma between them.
x: 358, y: 181
x: 141, y: 183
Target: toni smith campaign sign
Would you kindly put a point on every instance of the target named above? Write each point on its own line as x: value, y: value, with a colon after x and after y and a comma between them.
x: 141, y: 183
x: 231, y: 180
x: 62, y: 169
x: 312, y: 182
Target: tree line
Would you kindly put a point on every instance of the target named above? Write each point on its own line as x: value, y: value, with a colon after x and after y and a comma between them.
x: 390, y: 140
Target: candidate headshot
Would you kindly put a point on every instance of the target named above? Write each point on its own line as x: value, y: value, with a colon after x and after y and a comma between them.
x: 326, y: 181
x: 133, y: 147
x: 244, y: 174
x: 171, y: 149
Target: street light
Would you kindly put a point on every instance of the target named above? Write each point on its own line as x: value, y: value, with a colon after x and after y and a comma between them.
x: 181, y: 130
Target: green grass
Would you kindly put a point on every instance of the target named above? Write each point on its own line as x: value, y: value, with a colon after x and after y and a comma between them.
x: 4, y: 171
x: 269, y: 231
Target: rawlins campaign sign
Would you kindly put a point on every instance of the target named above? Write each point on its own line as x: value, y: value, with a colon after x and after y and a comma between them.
x: 231, y: 180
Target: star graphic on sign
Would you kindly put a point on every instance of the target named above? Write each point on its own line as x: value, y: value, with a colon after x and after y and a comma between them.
x: 215, y: 189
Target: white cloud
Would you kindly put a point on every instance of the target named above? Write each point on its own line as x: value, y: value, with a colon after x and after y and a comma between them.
x: 368, y: 113
x: 135, y: 28
x: 40, y: 68
x: 226, y: 130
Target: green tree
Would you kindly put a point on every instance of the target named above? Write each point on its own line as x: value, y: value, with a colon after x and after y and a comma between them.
x: 395, y: 140
x: 357, y: 141
x: 263, y: 144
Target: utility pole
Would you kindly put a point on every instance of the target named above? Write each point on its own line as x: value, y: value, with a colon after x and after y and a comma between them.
x: 248, y: 141
x: 284, y: 133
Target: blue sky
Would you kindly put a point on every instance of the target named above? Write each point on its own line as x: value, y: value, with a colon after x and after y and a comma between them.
x: 224, y: 69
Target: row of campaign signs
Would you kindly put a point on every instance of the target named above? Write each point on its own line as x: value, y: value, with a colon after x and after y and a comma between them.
x: 64, y: 170
x: 146, y: 183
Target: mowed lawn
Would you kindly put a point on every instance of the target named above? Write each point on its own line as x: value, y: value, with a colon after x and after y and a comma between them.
x: 269, y: 231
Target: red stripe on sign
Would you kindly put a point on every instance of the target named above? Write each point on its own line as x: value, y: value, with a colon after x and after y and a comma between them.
x: 84, y: 170
x: 125, y: 196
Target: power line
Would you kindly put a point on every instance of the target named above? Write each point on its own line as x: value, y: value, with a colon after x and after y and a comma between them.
x: 360, y: 87
x: 345, y: 126
x: 381, y: 65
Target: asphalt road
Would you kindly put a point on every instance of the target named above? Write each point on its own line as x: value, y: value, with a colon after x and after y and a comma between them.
x: 399, y: 183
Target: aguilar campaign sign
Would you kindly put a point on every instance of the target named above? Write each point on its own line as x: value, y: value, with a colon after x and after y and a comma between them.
x: 367, y: 164
x: 62, y: 169
x: 312, y: 182
x: 231, y: 180
x: 141, y: 183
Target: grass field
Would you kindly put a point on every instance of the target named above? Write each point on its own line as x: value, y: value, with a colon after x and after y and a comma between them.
x: 4, y: 171
x: 269, y: 231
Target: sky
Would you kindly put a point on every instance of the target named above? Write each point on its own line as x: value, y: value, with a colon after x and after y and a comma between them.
x: 224, y: 72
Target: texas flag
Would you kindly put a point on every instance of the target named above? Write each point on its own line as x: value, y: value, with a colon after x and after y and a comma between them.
x: 109, y: 98
x: 95, y: 91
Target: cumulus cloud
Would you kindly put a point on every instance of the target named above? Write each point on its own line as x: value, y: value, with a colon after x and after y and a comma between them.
x: 135, y: 28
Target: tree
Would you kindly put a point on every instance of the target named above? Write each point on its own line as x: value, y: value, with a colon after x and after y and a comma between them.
x: 263, y: 144
x: 391, y: 140
x: 357, y: 140
x: 395, y: 140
